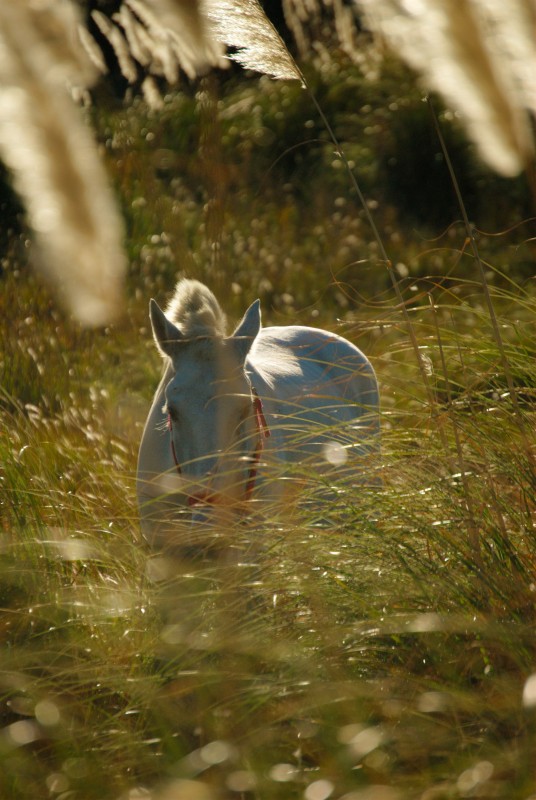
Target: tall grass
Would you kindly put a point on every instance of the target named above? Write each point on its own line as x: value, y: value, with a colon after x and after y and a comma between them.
x: 378, y: 648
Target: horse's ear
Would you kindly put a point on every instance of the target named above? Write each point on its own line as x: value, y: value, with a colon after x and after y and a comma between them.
x: 247, y: 329
x: 166, y: 334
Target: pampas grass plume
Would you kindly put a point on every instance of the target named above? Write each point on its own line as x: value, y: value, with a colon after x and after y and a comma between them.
x: 246, y: 27
x: 54, y: 161
x: 478, y: 55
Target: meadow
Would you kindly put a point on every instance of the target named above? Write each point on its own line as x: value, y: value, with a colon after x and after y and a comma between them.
x: 382, y: 649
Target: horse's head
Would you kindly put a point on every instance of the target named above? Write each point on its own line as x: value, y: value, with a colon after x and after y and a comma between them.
x: 211, y: 409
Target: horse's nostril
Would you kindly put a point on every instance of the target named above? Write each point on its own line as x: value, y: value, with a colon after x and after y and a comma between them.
x: 200, y: 498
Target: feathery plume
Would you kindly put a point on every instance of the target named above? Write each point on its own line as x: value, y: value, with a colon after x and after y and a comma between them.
x: 481, y: 56
x: 244, y: 25
x: 178, y: 36
x: 119, y: 44
x: 136, y: 35
x: 151, y: 94
x: 92, y: 49
x: 54, y: 162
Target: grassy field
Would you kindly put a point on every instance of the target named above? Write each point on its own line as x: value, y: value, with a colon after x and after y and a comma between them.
x: 387, y: 655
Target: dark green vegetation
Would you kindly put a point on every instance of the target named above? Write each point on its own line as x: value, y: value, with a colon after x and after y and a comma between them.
x: 382, y: 655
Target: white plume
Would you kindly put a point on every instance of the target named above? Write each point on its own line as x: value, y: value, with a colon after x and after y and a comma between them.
x: 53, y: 159
x: 245, y: 26
x: 481, y: 56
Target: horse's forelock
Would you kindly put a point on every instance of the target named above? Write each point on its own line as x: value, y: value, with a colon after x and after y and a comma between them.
x: 195, y: 311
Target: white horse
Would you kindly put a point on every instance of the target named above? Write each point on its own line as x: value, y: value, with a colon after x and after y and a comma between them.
x: 235, y: 416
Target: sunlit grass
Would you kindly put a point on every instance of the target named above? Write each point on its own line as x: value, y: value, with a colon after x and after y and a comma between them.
x: 383, y: 641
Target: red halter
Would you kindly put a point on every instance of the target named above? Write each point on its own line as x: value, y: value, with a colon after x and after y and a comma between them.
x: 263, y: 433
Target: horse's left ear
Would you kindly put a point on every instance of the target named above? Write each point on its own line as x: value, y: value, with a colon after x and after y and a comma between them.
x: 166, y: 334
x: 247, y: 329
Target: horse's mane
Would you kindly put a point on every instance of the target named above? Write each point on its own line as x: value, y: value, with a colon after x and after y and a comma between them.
x: 271, y: 361
x: 195, y: 311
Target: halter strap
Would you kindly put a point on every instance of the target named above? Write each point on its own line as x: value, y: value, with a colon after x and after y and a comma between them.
x: 263, y: 432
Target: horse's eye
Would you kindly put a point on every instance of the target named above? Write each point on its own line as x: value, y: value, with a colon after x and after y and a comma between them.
x: 171, y: 412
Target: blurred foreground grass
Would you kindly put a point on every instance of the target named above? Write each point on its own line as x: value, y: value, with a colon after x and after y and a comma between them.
x: 385, y: 651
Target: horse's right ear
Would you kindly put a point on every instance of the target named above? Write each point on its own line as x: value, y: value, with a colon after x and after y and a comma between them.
x: 248, y: 328
x: 166, y: 334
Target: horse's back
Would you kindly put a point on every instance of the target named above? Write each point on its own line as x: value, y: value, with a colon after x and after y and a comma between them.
x: 298, y: 360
